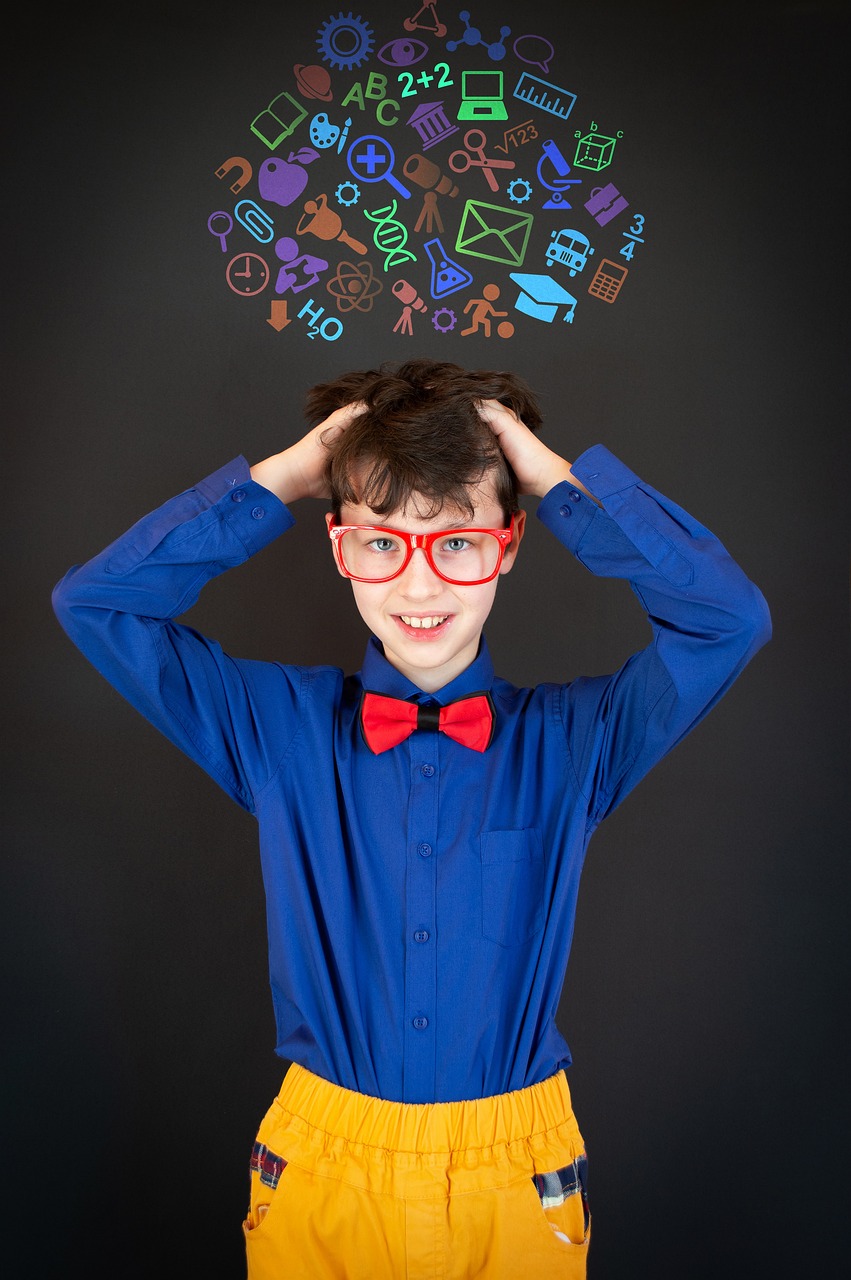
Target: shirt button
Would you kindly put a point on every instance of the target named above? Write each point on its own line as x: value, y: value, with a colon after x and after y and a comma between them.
x: 420, y: 1023
x: 424, y: 850
x: 238, y: 495
x: 565, y: 511
x: 258, y: 513
x: 428, y: 770
x: 421, y: 935
x: 574, y: 495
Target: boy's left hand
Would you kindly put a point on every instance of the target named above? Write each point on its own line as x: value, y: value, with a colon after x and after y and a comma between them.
x: 537, y: 468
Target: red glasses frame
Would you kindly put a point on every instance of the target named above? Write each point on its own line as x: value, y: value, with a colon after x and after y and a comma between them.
x: 423, y: 542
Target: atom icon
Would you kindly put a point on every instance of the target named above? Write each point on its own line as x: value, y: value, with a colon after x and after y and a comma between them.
x: 354, y: 286
x: 345, y: 41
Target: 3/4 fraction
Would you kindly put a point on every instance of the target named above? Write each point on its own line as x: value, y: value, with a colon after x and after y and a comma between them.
x: 633, y: 236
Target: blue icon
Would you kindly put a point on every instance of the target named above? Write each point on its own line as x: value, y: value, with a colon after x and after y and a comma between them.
x: 569, y: 247
x: 371, y: 158
x: 255, y: 220
x: 345, y: 41
x: 561, y: 183
x: 447, y: 276
x: 473, y: 36
x: 541, y: 297
x: 548, y: 97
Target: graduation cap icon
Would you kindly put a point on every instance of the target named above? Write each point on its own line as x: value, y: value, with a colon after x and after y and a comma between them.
x: 541, y: 297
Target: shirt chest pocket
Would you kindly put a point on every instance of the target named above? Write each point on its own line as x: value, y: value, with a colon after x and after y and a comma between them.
x: 512, y: 885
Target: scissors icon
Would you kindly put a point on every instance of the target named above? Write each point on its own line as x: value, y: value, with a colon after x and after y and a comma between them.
x: 461, y: 161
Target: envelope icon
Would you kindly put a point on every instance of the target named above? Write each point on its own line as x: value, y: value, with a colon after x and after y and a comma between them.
x: 492, y: 232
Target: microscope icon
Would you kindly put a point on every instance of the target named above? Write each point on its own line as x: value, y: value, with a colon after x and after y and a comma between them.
x: 561, y: 181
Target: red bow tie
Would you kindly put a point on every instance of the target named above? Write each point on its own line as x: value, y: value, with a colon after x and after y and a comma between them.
x: 388, y: 721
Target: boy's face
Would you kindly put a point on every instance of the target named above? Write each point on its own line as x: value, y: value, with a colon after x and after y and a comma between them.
x: 431, y: 656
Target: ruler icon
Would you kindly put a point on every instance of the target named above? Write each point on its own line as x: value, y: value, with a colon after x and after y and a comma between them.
x: 549, y: 97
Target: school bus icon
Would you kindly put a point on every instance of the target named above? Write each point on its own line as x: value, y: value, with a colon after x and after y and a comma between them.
x: 570, y: 248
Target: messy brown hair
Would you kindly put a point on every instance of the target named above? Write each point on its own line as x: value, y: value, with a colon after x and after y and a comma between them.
x: 421, y: 433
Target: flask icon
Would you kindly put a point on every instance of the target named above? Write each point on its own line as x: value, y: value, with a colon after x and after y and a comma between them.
x: 447, y: 276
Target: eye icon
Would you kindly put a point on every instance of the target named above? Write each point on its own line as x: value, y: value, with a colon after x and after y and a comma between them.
x: 402, y: 53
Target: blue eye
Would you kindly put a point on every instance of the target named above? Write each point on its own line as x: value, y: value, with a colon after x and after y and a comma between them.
x: 402, y: 53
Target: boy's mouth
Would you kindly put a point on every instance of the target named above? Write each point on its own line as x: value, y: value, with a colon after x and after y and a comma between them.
x: 423, y: 626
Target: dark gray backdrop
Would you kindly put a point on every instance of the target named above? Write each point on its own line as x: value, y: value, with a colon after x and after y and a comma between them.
x: 706, y: 998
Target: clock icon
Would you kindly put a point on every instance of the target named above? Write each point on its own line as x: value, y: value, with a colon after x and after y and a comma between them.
x: 247, y: 274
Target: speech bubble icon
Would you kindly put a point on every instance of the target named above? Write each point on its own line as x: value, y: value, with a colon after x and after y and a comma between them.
x: 541, y: 48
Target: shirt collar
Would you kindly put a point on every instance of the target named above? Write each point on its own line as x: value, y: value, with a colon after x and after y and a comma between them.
x: 381, y: 676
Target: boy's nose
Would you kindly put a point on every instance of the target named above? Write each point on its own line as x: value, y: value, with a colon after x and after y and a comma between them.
x: 419, y: 581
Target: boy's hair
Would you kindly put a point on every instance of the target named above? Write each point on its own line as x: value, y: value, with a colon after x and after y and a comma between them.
x: 420, y: 434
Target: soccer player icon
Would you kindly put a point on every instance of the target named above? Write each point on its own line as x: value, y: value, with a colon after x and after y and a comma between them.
x: 483, y: 310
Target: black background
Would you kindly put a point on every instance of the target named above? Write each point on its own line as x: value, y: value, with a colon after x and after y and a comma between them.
x: 707, y: 992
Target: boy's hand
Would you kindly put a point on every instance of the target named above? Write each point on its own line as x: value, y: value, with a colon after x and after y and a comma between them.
x: 537, y: 468
x: 299, y: 472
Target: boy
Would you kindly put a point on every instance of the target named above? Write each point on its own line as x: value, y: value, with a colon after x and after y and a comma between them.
x: 422, y: 823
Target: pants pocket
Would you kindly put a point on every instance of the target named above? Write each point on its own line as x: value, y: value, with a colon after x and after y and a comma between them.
x: 267, y: 1167
x: 563, y: 1195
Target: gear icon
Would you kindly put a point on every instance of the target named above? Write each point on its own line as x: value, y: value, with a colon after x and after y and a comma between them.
x: 525, y: 189
x: 345, y: 41
x: 449, y: 319
x: 353, y: 190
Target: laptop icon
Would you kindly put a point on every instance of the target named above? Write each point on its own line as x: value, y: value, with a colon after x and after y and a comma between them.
x: 481, y: 96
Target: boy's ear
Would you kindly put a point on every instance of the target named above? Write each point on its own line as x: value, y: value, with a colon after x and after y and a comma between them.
x: 511, y: 550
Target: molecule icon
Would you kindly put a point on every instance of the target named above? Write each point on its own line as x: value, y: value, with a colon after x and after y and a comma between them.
x: 472, y: 36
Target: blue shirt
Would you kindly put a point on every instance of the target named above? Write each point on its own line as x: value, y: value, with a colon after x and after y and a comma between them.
x: 421, y: 902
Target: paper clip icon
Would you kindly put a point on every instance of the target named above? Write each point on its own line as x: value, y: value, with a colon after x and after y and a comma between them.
x: 255, y: 220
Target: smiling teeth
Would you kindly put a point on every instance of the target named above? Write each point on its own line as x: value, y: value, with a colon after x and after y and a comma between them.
x: 425, y: 623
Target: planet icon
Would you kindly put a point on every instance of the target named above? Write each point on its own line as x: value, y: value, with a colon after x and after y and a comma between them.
x: 313, y: 81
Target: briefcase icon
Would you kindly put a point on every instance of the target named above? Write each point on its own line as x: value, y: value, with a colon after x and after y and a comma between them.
x: 605, y: 203
x: 492, y: 232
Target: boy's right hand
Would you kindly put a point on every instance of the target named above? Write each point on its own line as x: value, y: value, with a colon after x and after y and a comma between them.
x: 299, y: 472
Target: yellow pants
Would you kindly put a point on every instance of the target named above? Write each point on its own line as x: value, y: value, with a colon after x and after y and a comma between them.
x: 348, y: 1187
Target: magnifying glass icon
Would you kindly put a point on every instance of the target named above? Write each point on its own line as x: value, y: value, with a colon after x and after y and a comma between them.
x: 226, y: 227
x: 371, y: 158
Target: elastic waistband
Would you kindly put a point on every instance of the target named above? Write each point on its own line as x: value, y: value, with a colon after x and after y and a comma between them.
x: 506, y: 1136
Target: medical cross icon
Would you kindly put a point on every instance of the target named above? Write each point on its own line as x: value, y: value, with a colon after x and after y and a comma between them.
x: 370, y: 158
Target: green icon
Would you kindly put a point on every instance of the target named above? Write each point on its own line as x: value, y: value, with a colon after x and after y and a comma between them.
x: 595, y: 150
x: 278, y: 120
x: 492, y: 232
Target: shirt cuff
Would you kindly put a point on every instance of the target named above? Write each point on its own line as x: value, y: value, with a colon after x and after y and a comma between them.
x: 255, y: 514
x: 602, y: 473
x: 567, y: 511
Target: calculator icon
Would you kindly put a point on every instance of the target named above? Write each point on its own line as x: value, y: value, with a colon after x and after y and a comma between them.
x: 608, y: 280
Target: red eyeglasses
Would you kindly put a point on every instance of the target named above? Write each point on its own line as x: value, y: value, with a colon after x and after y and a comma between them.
x: 464, y: 557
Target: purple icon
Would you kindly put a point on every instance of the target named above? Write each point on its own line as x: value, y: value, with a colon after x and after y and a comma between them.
x: 542, y: 48
x: 225, y: 227
x: 288, y: 252
x: 282, y: 181
x: 605, y: 203
x: 371, y: 158
x: 402, y: 52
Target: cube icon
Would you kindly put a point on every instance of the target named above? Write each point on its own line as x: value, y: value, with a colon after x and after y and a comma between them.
x: 594, y: 151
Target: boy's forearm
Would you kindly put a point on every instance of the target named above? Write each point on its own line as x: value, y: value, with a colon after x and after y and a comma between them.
x: 279, y: 473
